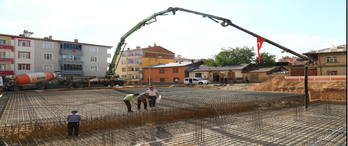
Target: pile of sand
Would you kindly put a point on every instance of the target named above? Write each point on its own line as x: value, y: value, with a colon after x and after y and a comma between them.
x: 277, y: 84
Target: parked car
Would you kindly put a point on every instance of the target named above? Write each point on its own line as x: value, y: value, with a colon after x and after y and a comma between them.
x: 195, y: 81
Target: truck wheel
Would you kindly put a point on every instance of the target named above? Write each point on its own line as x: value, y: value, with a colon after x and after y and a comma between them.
x: 50, y: 86
x: 120, y: 83
x: 40, y: 87
x: 200, y: 83
x: 80, y: 85
x: 16, y: 88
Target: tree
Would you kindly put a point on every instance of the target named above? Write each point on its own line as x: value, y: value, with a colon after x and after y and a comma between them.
x: 232, y: 56
x: 266, y: 59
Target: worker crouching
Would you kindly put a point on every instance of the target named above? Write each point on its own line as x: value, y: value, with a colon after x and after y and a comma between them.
x: 74, y: 123
x: 128, y: 98
x: 142, y: 98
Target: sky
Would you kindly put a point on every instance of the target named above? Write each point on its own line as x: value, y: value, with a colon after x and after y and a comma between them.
x: 296, y: 24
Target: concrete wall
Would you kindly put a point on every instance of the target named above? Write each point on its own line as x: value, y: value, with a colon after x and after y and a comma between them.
x: 39, y: 55
x: 30, y: 49
x: 101, y: 61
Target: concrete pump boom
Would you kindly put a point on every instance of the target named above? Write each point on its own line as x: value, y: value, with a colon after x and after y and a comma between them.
x: 225, y: 22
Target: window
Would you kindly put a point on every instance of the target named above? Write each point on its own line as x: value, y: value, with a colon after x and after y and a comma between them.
x: 70, y: 46
x: 94, y: 49
x: 137, y: 69
x: 198, y: 75
x: 23, y: 66
x: 25, y: 55
x: 69, y: 77
x: 331, y: 59
x: 2, y: 42
x: 175, y: 70
x: 161, y: 71
x: 2, y: 66
x: 2, y: 54
x: 94, y: 68
x: 124, y: 61
x: 48, y: 45
x: 162, y: 79
x: 72, y: 67
x: 74, y: 57
x: 124, y: 54
x: 332, y: 73
x: 254, y: 77
x: 94, y: 59
x: 47, y: 67
x: 124, y: 69
x: 24, y: 43
x: 138, y: 61
x: 48, y: 56
x: 137, y: 76
x: 123, y: 76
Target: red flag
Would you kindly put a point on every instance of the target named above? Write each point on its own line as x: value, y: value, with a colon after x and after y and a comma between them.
x: 73, y: 50
x: 259, y: 45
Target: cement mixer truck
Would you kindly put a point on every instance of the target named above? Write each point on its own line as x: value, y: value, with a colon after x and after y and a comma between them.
x: 39, y: 80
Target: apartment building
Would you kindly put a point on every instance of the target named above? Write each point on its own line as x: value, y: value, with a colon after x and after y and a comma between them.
x: 132, y: 61
x: 329, y: 61
x: 24, y: 54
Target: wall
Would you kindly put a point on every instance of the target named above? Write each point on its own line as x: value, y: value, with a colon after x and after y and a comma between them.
x: 39, y: 55
x: 318, y: 78
x: 301, y: 73
x: 168, y: 74
x: 339, y: 66
x: 101, y: 63
x: 17, y: 60
x: 155, y: 61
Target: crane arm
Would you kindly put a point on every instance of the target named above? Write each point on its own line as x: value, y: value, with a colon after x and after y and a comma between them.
x: 224, y: 22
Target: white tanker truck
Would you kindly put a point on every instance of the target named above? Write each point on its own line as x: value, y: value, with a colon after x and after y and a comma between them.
x: 39, y: 80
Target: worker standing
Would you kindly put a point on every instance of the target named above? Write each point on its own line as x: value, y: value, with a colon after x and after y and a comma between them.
x: 152, y: 95
x: 130, y: 97
x: 74, y: 123
x: 142, y: 98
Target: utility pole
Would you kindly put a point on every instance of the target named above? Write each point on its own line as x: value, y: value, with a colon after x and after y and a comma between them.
x: 149, y: 72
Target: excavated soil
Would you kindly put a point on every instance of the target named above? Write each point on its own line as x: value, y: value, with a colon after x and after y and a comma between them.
x: 317, y: 90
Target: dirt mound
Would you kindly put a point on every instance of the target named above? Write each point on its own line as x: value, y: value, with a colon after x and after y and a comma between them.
x: 280, y: 84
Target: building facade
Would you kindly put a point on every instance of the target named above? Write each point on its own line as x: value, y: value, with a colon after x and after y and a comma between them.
x: 132, y: 61
x: 24, y: 54
x: 329, y: 61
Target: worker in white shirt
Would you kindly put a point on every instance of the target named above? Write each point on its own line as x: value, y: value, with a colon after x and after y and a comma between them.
x: 152, y: 95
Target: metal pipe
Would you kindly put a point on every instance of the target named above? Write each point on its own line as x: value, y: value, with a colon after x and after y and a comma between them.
x: 306, y: 84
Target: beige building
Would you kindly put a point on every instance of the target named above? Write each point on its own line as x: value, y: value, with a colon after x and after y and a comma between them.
x: 263, y: 73
x: 329, y: 61
x: 132, y: 61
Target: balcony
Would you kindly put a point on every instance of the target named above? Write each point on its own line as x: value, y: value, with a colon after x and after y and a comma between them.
x: 133, y: 72
x: 7, y: 46
x: 134, y: 64
x: 135, y: 56
x: 6, y: 72
x: 6, y: 59
x: 70, y: 51
x: 61, y: 62
x: 72, y: 72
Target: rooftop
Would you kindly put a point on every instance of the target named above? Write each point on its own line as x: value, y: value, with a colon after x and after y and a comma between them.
x: 340, y: 48
x: 218, y: 68
x: 261, y: 69
x: 170, y: 65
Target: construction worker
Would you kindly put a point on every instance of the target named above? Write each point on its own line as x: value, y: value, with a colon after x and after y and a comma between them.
x: 152, y: 95
x: 73, y: 123
x: 130, y: 97
x: 142, y: 98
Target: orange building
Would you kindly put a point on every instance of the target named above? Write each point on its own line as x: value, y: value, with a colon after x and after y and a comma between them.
x: 167, y: 72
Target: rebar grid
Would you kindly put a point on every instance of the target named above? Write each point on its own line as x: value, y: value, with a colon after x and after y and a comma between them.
x: 185, y: 120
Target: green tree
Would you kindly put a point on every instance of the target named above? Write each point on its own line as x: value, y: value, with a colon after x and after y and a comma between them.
x: 266, y: 59
x: 232, y: 56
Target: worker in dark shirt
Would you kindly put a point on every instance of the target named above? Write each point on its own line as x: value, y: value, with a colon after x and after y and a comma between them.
x: 142, y: 98
x: 73, y: 123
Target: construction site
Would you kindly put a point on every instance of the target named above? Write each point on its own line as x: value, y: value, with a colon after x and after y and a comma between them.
x: 186, y: 115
